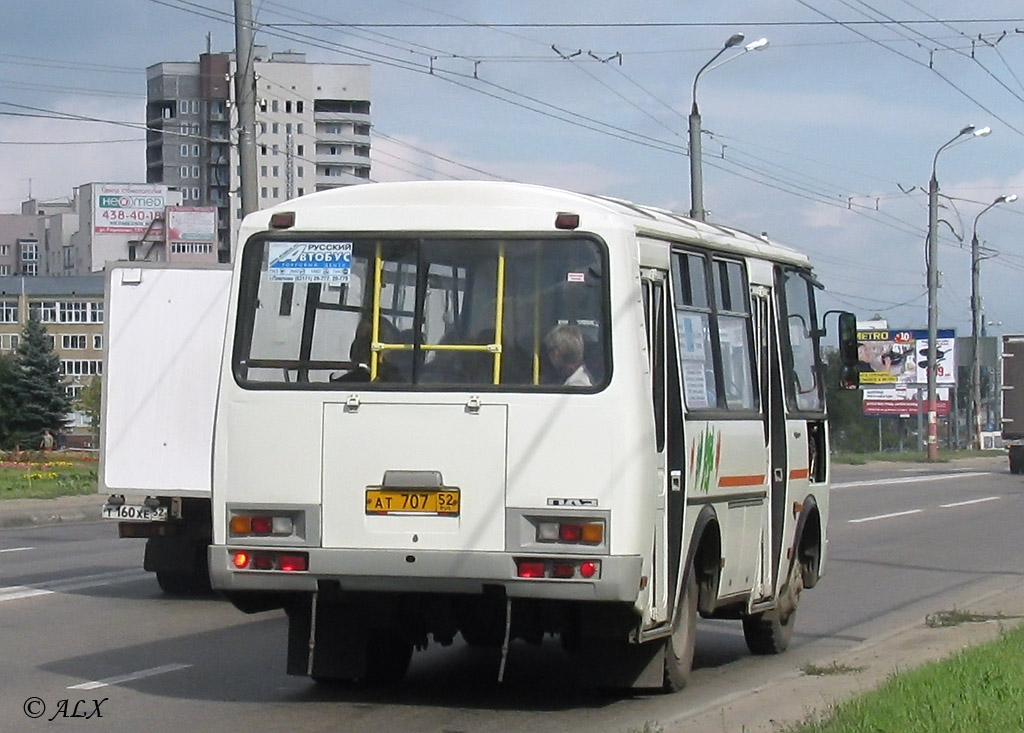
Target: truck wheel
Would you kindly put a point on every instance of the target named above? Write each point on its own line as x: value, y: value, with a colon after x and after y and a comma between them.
x: 1016, y: 460
x: 680, y: 645
x: 185, y: 583
x: 387, y: 659
x: 174, y: 583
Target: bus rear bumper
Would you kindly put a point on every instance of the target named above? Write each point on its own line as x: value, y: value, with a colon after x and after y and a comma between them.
x: 617, y: 578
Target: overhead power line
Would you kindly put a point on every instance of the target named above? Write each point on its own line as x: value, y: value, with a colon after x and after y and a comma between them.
x: 658, y: 24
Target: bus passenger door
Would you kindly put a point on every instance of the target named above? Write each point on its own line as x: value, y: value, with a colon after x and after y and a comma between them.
x: 667, y: 413
x: 773, y: 407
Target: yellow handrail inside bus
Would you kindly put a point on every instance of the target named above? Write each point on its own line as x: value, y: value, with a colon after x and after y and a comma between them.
x: 375, y: 344
x: 536, y: 318
x: 499, y: 312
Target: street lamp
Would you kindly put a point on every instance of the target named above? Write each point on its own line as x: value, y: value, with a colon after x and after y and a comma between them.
x: 976, y: 325
x: 933, y: 283
x: 696, y: 180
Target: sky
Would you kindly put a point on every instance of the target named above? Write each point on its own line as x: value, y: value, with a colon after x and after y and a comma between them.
x: 825, y: 139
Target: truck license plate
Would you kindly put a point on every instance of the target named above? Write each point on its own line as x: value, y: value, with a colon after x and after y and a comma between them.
x: 134, y: 512
x: 413, y: 501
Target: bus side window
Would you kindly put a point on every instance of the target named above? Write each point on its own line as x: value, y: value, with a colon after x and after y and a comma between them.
x: 693, y: 325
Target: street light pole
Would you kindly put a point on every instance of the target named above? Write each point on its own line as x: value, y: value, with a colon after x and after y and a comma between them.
x: 933, y: 287
x: 976, y: 324
x: 696, y: 175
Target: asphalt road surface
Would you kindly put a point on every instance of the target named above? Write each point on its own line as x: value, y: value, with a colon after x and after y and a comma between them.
x: 86, y: 634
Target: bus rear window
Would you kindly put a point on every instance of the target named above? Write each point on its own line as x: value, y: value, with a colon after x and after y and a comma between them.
x: 400, y: 312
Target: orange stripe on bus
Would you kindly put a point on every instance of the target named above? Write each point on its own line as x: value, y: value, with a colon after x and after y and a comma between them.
x: 798, y: 473
x: 741, y: 480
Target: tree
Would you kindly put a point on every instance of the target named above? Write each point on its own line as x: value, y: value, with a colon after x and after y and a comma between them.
x: 6, y: 398
x: 38, y: 399
x: 89, y: 402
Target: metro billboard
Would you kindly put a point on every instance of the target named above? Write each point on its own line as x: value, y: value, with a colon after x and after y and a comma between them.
x: 893, y: 357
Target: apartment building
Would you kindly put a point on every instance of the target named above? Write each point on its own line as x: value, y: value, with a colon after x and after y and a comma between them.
x: 313, y: 130
x: 71, y: 309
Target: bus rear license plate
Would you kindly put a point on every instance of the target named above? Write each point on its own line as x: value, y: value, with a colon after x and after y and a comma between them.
x: 412, y: 501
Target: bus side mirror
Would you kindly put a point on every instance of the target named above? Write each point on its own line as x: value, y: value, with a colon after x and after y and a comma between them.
x: 849, y: 374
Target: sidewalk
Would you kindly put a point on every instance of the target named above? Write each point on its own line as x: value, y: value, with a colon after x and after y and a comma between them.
x: 62, y: 510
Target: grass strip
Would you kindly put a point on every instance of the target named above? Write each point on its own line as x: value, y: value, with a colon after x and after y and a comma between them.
x: 978, y: 689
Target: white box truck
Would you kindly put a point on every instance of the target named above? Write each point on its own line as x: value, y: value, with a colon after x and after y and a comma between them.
x: 1012, y: 395
x: 164, y: 333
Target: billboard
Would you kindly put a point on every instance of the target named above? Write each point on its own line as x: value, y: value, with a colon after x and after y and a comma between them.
x: 191, y: 224
x: 899, y: 401
x: 891, y: 357
x: 126, y: 208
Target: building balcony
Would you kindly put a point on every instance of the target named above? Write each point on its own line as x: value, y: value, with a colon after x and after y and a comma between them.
x: 342, y: 138
x: 338, y: 159
x: 341, y: 117
x: 339, y: 179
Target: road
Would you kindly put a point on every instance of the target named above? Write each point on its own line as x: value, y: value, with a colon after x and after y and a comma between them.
x: 80, y: 622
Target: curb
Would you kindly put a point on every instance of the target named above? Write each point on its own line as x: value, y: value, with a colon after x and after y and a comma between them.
x: 42, y: 514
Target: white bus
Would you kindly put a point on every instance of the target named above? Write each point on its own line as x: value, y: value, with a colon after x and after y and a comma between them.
x: 507, y: 411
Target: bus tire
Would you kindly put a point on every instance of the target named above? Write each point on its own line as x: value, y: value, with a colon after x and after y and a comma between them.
x: 680, y: 645
x: 770, y: 632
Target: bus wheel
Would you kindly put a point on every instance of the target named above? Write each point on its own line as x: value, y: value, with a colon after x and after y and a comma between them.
x: 679, y: 646
x: 387, y: 659
x: 770, y: 632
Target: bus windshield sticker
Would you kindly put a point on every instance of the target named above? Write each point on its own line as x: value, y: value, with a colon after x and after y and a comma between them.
x: 319, y: 262
x: 576, y: 277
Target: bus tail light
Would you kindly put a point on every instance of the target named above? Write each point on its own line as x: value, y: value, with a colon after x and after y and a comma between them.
x: 265, y: 525
x: 573, y: 531
x: 557, y: 568
x: 285, y: 562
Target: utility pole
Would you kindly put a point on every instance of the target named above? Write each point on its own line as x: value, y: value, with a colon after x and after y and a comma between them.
x: 289, y: 167
x: 932, y: 263
x: 245, y: 101
x: 977, y: 327
x: 933, y: 312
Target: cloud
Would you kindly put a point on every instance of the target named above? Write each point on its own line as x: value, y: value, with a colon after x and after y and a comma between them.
x: 52, y: 170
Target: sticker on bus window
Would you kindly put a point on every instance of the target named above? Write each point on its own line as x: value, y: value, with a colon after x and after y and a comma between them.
x: 313, y: 262
x: 576, y: 277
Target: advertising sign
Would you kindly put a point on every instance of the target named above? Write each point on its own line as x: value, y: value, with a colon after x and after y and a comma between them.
x: 900, y: 357
x: 126, y: 208
x: 327, y: 262
x: 191, y: 224
x: 899, y: 401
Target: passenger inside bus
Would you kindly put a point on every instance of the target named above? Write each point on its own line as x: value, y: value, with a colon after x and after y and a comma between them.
x: 359, y: 354
x: 564, y: 344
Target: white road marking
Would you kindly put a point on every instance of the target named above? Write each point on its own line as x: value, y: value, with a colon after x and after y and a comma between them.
x: 971, y: 501
x: 16, y: 592
x: 885, y: 516
x: 130, y: 677
x: 908, y: 479
x: 16, y: 549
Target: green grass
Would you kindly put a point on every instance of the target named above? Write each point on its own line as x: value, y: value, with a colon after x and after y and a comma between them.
x: 978, y: 689
x: 45, y: 476
x: 858, y: 459
x: 828, y: 670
